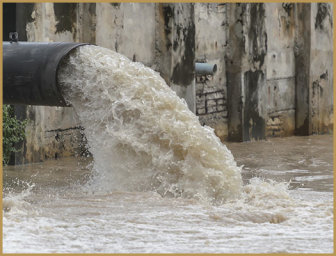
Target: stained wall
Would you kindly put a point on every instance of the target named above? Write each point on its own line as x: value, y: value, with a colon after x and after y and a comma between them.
x: 274, y: 64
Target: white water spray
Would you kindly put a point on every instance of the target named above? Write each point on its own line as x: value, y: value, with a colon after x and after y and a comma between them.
x: 141, y: 134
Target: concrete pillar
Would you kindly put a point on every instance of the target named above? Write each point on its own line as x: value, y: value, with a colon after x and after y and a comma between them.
x: 164, y: 16
x: 280, y: 27
x: 86, y: 23
x: 321, y: 68
x: 302, y: 69
x: 108, y: 34
x: 314, y: 68
x: 175, y: 48
x: 246, y: 72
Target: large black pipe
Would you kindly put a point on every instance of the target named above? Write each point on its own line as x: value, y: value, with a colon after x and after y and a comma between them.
x: 30, y: 72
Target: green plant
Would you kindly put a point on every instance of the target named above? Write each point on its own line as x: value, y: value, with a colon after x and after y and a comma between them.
x: 13, y: 132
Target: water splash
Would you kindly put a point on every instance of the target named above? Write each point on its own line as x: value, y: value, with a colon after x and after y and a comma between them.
x: 141, y: 134
x: 15, y: 202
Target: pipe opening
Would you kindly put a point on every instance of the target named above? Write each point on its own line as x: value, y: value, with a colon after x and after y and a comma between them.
x: 205, y: 69
x: 30, y: 72
x: 214, y: 69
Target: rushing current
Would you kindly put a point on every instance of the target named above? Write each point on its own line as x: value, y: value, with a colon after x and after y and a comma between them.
x: 159, y: 182
x: 141, y: 134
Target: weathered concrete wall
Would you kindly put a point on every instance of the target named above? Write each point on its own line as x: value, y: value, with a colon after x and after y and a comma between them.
x: 127, y: 28
x: 211, y: 91
x: 131, y: 29
x: 55, y: 131
x: 314, y: 68
x: 182, y: 73
x: 51, y: 131
x: 175, y: 48
x: 302, y: 69
x: 274, y: 64
x: 321, y: 67
x: 280, y: 65
x: 86, y: 23
x: 246, y: 72
x: 164, y: 16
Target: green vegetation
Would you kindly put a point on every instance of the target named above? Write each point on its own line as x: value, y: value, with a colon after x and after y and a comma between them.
x: 13, y: 132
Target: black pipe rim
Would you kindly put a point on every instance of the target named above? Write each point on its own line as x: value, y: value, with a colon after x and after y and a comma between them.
x: 30, y: 72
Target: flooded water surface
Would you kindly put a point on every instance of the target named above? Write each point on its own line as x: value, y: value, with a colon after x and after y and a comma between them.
x: 49, y: 208
x: 159, y: 182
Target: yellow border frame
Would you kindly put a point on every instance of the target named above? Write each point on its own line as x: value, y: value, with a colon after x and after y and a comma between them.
x: 161, y: 1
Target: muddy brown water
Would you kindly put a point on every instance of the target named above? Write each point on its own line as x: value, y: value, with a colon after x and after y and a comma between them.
x: 286, y: 207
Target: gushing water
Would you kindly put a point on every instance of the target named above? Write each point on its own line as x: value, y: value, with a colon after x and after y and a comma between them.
x: 150, y: 156
x: 141, y: 134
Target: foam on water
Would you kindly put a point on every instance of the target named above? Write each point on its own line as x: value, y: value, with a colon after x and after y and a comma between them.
x: 155, y: 171
x: 16, y: 202
x: 46, y: 210
x: 264, y: 220
x: 141, y: 134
